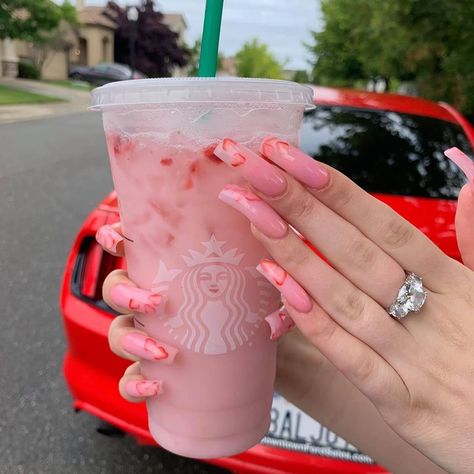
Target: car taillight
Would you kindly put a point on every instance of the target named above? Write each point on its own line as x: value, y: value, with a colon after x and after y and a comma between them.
x: 90, y: 270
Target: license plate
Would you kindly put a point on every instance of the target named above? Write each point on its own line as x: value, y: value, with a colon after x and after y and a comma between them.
x: 294, y: 430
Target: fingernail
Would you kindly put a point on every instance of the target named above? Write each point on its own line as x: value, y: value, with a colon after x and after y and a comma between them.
x: 259, y: 173
x: 148, y: 348
x: 280, y: 323
x: 462, y: 161
x: 286, y: 284
x: 108, y: 238
x: 297, y: 163
x: 257, y: 211
x: 144, y: 388
x: 136, y: 299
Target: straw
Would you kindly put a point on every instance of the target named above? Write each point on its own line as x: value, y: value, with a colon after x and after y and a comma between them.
x: 210, y: 38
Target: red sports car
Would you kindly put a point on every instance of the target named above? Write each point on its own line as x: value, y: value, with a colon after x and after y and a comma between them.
x: 390, y: 145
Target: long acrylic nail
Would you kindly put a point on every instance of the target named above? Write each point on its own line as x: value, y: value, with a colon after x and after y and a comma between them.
x: 259, y: 173
x: 257, y: 211
x: 280, y: 323
x: 148, y: 348
x: 297, y: 163
x: 136, y: 299
x: 286, y: 284
x: 462, y: 161
x: 108, y: 238
x: 144, y: 388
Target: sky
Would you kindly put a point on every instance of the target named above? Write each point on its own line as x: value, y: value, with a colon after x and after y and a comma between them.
x: 283, y: 24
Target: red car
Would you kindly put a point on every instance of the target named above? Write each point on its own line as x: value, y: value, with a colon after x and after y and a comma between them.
x: 392, y: 146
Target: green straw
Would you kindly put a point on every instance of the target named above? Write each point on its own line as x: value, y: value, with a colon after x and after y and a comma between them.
x: 210, y: 38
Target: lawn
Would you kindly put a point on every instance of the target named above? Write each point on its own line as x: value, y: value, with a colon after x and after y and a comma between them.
x: 13, y: 96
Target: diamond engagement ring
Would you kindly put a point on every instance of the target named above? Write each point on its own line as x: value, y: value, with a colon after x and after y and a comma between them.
x: 411, y: 297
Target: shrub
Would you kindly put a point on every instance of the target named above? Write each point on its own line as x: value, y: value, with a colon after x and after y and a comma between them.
x: 28, y: 70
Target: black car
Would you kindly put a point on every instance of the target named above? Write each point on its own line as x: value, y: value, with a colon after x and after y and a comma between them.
x: 103, y: 73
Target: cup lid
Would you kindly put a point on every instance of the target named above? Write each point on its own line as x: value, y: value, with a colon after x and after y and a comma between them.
x: 201, y: 89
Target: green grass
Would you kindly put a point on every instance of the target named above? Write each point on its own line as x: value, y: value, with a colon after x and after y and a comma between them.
x: 13, y: 96
x: 79, y: 85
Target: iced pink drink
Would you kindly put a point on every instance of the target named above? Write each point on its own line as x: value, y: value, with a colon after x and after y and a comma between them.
x: 185, y: 244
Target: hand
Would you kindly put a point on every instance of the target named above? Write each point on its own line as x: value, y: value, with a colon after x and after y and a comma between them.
x: 418, y: 372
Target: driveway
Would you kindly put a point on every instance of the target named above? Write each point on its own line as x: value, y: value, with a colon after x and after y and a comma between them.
x: 52, y: 172
x: 77, y: 101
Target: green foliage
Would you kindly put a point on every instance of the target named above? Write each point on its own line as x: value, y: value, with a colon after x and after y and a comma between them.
x: 255, y: 60
x: 301, y: 77
x: 28, y: 71
x: 428, y: 42
x: 24, y: 19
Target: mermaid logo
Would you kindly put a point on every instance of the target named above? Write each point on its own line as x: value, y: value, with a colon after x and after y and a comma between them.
x: 215, y: 315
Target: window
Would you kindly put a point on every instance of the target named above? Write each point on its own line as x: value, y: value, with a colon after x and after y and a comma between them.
x: 387, y: 152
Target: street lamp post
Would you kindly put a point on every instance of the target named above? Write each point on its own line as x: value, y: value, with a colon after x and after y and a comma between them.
x: 132, y: 15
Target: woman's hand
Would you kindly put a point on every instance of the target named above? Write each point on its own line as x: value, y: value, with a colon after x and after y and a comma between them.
x: 417, y: 371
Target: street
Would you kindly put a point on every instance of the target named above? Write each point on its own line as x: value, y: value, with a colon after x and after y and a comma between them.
x: 52, y: 172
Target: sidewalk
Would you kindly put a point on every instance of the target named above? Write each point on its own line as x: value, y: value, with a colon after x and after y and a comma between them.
x: 78, y: 101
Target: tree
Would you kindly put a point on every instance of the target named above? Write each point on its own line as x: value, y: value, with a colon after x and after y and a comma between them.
x: 25, y: 19
x: 301, y: 76
x: 255, y: 60
x: 429, y: 43
x: 193, y: 61
x: 157, y: 48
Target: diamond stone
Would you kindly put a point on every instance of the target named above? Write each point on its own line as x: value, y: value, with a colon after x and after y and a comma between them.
x: 411, y: 297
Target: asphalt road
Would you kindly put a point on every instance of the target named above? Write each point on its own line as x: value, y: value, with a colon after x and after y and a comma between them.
x: 52, y: 172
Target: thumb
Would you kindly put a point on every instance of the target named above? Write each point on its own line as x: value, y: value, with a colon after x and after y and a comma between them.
x: 465, y: 210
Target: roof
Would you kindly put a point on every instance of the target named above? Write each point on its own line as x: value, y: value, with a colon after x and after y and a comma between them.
x: 94, y: 16
x: 174, y: 18
x: 375, y: 100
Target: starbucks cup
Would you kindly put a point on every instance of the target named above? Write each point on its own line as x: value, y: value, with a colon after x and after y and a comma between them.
x: 182, y: 242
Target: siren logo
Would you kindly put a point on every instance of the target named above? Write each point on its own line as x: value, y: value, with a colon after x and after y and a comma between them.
x: 222, y: 305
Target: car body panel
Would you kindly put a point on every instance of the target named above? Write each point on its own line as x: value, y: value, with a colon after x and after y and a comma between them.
x: 92, y: 371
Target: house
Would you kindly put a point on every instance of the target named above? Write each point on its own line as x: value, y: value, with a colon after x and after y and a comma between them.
x: 90, y: 44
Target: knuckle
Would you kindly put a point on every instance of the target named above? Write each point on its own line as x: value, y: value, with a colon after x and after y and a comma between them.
x: 397, y: 233
x: 340, y: 195
x: 362, y: 254
x: 351, y: 305
x: 304, y: 205
x: 322, y: 329
x: 291, y: 253
x: 363, y: 370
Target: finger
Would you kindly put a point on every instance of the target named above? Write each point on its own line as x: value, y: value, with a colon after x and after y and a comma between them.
x: 350, y: 251
x: 110, y: 238
x: 413, y: 250
x: 361, y: 365
x: 121, y: 294
x: 352, y: 309
x: 128, y: 342
x: 280, y: 323
x: 135, y: 388
x: 465, y: 209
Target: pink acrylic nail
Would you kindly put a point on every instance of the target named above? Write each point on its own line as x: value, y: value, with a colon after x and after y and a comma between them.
x: 108, y: 238
x: 148, y: 348
x: 286, y: 284
x: 136, y: 299
x: 297, y: 163
x: 280, y: 323
x: 144, y: 388
x: 255, y: 209
x: 258, y: 172
x: 462, y: 161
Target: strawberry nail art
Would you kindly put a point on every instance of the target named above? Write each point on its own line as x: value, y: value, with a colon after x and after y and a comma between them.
x: 136, y: 299
x: 304, y: 168
x: 255, y: 209
x: 144, y: 388
x: 295, y: 295
x: 280, y: 323
x: 258, y: 172
x: 108, y: 238
x: 148, y: 348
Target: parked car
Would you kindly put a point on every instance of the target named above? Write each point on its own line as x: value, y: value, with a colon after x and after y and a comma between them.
x: 392, y: 146
x: 103, y: 73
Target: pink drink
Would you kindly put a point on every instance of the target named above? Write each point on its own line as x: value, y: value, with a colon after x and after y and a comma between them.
x: 184, y: 243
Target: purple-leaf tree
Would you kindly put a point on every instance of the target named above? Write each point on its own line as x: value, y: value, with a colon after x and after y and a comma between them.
x: 157, y: 47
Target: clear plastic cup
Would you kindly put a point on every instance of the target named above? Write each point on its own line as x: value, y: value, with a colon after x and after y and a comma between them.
x: 182, y: 242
